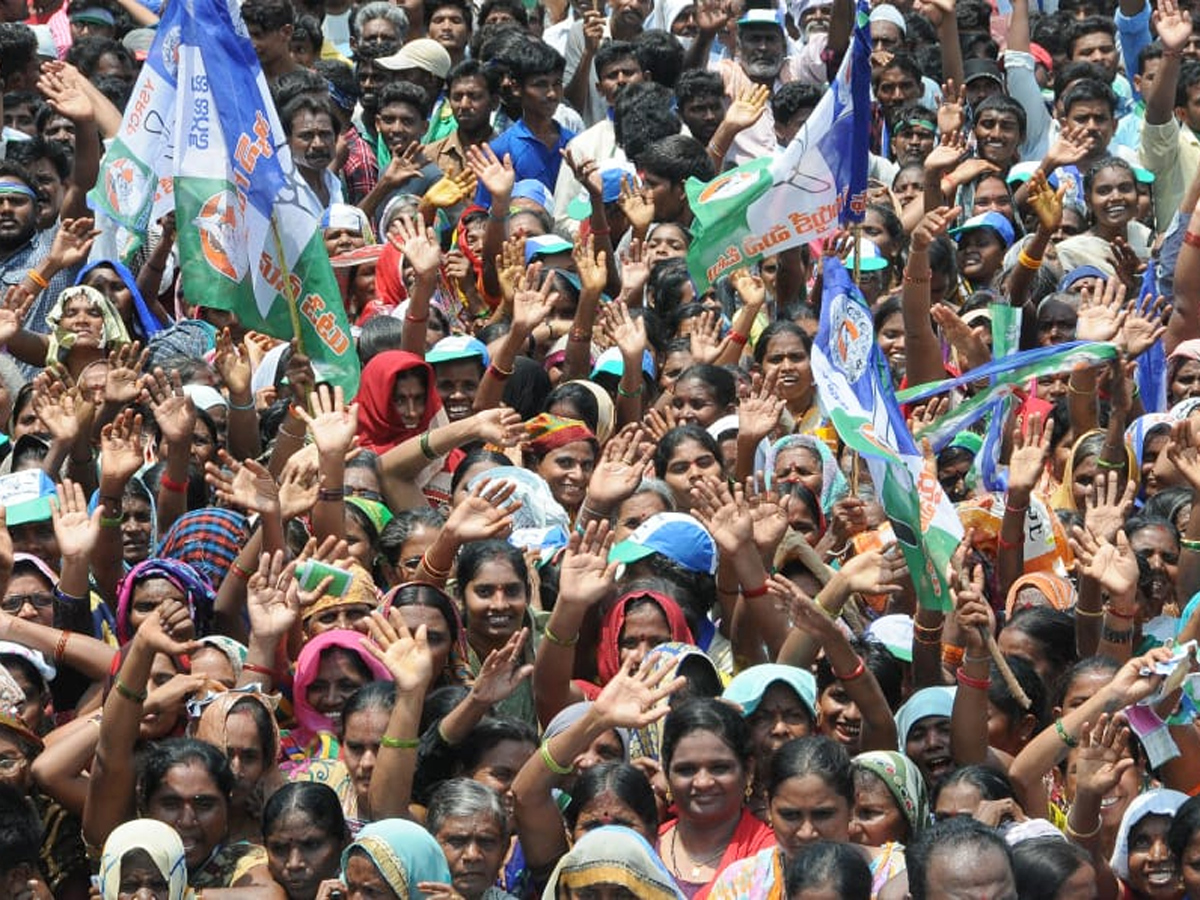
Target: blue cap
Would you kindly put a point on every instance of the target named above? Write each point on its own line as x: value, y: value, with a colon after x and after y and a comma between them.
x: 750, y: 686
x: 870, y: 258
x: 457, y: 346
x: 762, y: 17
x: 612, y: 174
x: 992, y: 220
x: 610, y: 362
x: 1078, y: 274
x: 532, y: 189
x: 545, y: 245
x: 676, y: 536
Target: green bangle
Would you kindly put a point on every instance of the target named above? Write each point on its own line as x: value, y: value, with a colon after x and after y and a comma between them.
x: 1190, y: 545
x: 127, y: 692
x: 399, y: 743
x: 1064, y: 735
x: 427, y: 448
x: 624, y: 393
x: 106, y: 522
x: 551, y: 763
x: 1106, y: 464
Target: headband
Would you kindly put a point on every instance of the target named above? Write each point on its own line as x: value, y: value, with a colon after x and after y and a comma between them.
x: 14, y: 187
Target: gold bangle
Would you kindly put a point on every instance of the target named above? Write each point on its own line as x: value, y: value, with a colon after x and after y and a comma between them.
x: 1071, y: 832
x: 1027, y: 261
x: 432, y: 569
x: 556, y: 640
x: 1089, y: 613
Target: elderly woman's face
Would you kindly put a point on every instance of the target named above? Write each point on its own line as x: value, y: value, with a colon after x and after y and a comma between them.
x: 141, y: 878
x: 342, y: 240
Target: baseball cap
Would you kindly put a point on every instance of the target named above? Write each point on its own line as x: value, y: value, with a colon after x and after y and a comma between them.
x: 762, y: 17
x: 974, y: 69
x: 1023, y: 171
x: 894, y: 633
x: 676, y: 536
x: 138, y: 42
x: 532, y: 189
x: 95, y: 14
x: 992, y: 220
x: 1078, y: 274
x: 457, y: 346
x: 870, y: 259
x: 545, y: 245
x: 610, y: 362
x: 423, y: 53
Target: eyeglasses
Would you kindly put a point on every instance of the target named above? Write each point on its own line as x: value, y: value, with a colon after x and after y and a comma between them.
x: 14, y: 603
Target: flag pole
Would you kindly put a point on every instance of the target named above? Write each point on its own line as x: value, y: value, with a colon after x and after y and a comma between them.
x: 856, y: 230
x: 288, y: 294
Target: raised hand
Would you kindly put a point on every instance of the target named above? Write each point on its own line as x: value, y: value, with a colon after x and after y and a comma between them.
x: 484, y: 513
x: 335, y: 424
x: 1102, y: 758
x: 626, y: 331
x: 593, y: 28
x: 1100, y: 318
x: 725, y: 513
x: 760, y: 410
x: 951, y: 114
x: 587, y: 172
x: 636, y: 699
x: 406, y: 654
x: 501, y: 673
x: 1183, y: 453
x: 1072, y: 145
x: 247, y: 485
x: 1127, y: 264
x: 620, y: 468
x: 60, y: 85
x: 712, y: 16
x: 76, y: 531
x: 233, y: 365
x: 933, y: 225
x: 500, y: 426
x: 273, y: 597
x: 874, y: 572
x: 169, y: 629
x: 705, y: 337
x: 1172, y: 24
x: 17, y: 303
x: 451, y: 190
x: 126, y: 363
x: 749, y: 287
x: 1106, y: 507
x: 299, y: 483
x: 1144, y: 326
x: 592, y: 267
x: 586, y: 576
x: 769, y: 513
x: 496, y: 175
x: 532, y: 304
x: 122, y: 452
x: 510, y: 265
x: 62, y: 409
x: 635, y: 270
x: 418, y: 244
x: 404, y: 165
x: 748, y: 107
x: 803, y: 611
x: 173, y: 409
x: 1113, y: 566
x: 1046, y: 202
x: 638, y: 206
x: 72, y: 243
x: 1031, y: 449
x: 971, y: 611
x: 947, y: 154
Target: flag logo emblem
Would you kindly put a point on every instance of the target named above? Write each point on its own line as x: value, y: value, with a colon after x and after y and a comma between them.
x: 854, y: 339
x: 124, y: 184
x: 728, y: 186
x: 217, y: 224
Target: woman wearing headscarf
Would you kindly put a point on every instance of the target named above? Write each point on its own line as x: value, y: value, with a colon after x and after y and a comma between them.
x: 84, y: 328
x: 394, y: 859
x: 900, y: 777
x: 397, y: 399
x: 562, y: 451
x: 616, y: 857
x: 141, y: 592
x: 112, y: 279
x: 145, y: 852
x: 1147, y: 437
x: 1183, y: 371
x: 208, y: 540
x: 1053, y: 590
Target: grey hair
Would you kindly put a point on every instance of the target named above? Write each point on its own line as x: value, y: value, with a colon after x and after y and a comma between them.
x: 380, y: 9
x: 461, y: 797
x: 651, y: 486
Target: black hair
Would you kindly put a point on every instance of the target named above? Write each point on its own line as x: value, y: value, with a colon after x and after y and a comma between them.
x: 13, y: 99
x: 85, y: 54
x: 665, y: 286
x: 161, y: 756
x: 582, y: 401
x: 1006, y: 104
x: 643, y: 113
x: 1153, y: 50
x: 1087, y: 90
x: 10, y: 169
x: 960, y: 835
x: 888, y: 670
x: 776, y: 328
x: 814, y: 755
x: 1108, y: 162
x: 18, y: 46
x: 1090, y: 25
x: 671, y: 441
x: 1142, y: 521
x: 660, y: 55
x: 718, y: 379
x: 317, y: 801
x: 379, y: 333
x: 1052, y: 630
x: 611, y: 51
x: 1027, y: 677
x: 627, y: 783
x: 473, y: 68
x: 489, y: 734
x: 1184, y: 826
x: 269, y: 15
x: 524, y: 391
x: 793, y: 97
x: 464, y: 7
x: 405, y: 92
x: 1043, y: 865
x: 262, y: 724
x: 992, y: 784
x: 902, y: 61
x: 706, y: 714
x: 476, y: 553
x: 28, y: 152
x: 472, y: 459
x: 532, y: 58
x: 397, y: 532
x: 888, y: 308
x: 514, y: 8
x: 342, y: 85
x: 1169, y: 502
x: 20, y: 830
x: 676, y: 159
x: 298, y: 83
x: 696, y: 83
x: 420, y: 594
x: 833, y: 867
x: 306, y: 103
x: 308, y: 29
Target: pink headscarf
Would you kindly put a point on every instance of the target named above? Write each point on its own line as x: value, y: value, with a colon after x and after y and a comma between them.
x: 310, y: 721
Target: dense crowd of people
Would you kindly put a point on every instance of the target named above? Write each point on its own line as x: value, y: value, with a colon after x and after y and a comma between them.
x: 580, y: 594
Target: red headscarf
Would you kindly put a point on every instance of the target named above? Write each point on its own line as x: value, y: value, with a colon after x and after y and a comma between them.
x: 608, y: 655
x: 379, y: 425
x: 389, y: 283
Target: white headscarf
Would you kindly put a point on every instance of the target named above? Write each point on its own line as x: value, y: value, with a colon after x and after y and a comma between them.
x: 159, y: 841
x: 1162, y: 802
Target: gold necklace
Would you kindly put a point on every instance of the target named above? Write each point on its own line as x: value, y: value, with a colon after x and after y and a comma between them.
x: 704, y: 863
